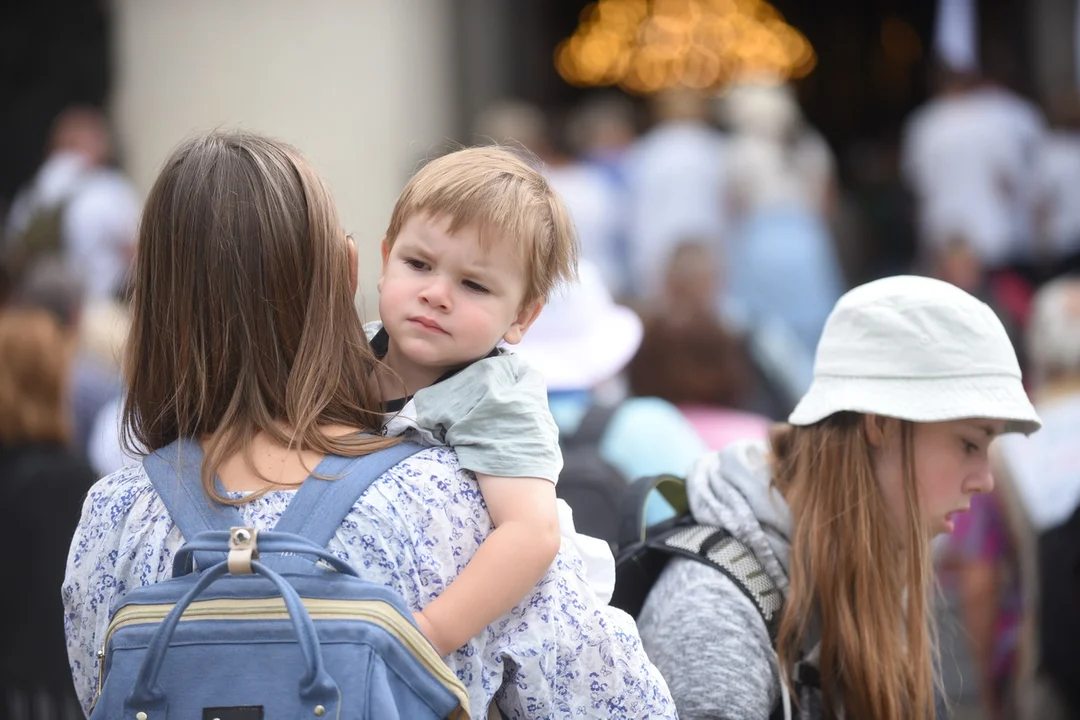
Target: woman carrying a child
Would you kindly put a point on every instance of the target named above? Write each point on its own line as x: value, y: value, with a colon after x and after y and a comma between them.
x: 245, y: 338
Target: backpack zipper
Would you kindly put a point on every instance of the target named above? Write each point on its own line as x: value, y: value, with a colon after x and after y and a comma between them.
x: 375, y: 611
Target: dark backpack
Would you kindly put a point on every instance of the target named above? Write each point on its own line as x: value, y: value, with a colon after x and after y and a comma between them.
x: 1059, y: 609
x: 644, y: 551
x: 43, y: 236
x: 590, y: 485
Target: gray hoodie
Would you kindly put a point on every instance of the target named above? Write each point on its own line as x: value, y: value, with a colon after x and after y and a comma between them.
x: 706, y: 637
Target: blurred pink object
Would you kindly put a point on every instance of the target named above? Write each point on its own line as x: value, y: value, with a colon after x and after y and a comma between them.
x: 719, y: 427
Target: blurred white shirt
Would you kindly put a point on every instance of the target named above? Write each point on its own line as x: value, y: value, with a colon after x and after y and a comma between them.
x: 99, y: 222
x: 971, y: 161
x: 1059, y: 182
x: 597, y: 211
x: 762, y: 172
x: 1044, y: 465
x: 675, y: 176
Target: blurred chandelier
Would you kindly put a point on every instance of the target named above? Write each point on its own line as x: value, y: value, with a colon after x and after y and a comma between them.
x: 644, y: 46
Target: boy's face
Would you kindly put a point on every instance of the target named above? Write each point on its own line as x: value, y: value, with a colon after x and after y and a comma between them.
x: 445, y: 300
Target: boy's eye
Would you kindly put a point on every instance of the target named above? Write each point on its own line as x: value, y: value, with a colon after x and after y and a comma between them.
x: 970, y: 448
x: 475, y: 287
x: 416, y: 264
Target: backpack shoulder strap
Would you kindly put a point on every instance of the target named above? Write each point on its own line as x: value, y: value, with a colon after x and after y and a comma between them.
x: 592, y: 427
x: 716, y: 547
x: 322, y: 503
x: 175, y: 471
x: 633, y: 518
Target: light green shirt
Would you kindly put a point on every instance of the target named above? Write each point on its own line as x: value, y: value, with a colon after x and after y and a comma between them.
x: 494, y: 413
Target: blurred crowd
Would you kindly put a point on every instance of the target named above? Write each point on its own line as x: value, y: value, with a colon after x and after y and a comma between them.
x: 726, y: 230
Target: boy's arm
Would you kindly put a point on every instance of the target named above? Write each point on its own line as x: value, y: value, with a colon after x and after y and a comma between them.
x: 507, y: 565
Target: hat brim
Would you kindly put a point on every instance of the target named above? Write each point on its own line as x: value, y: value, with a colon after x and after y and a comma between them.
x: 997, y: 397
x: 584, y: 361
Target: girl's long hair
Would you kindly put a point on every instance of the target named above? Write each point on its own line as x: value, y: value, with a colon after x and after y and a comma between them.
x: 861, y: 573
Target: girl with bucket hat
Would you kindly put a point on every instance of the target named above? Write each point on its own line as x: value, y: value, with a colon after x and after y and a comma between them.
x: 913, y: 379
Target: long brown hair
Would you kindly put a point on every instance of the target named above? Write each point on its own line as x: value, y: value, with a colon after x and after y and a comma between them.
x: 242, y: 314
x: 35, y: 357
x: 865, y: 578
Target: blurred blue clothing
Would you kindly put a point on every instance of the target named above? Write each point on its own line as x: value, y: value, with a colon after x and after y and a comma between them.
x: 646, y: 436
x: 93, y: 385
x: 782, y: 266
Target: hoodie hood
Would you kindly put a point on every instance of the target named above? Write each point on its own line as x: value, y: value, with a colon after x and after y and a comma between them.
x: 731, y: 488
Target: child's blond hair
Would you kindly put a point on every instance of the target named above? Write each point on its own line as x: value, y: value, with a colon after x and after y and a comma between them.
x: 496, y: 190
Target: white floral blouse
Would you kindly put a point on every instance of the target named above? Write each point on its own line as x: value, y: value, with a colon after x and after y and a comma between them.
x: 559, y: 653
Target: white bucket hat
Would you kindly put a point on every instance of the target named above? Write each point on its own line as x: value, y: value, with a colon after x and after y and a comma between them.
x: 916, y: 349
x: 582, y: 337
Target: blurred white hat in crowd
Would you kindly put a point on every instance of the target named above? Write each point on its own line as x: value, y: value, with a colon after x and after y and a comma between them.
x: 582, y: 338
x: 917, y: 349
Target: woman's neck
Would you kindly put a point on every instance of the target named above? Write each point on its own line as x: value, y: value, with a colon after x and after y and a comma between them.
x: 266, y: 463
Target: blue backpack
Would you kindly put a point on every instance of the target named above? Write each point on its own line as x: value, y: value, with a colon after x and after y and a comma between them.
x: 267, y: 629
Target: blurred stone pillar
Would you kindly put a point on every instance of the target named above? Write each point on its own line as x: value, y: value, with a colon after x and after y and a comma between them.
x: 365, y: 88
x: 484, y: 55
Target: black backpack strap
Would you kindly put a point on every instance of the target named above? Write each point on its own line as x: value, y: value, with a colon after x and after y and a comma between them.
x: 633, y: 522
x: 592, y: 427
x: 716, y: 547
x: 807, y: 676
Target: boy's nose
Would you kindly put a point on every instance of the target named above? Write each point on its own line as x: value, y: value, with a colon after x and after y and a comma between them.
x: 437, y: 294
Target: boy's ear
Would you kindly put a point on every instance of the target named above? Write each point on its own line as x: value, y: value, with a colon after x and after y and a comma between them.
x: 522, y: 322
x: 384, y: 246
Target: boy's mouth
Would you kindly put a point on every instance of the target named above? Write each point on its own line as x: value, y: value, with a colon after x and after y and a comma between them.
x: 428, y: 324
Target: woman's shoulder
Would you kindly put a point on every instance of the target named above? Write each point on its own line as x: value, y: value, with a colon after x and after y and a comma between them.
x: 694, y: 605
x: 128, y: 481
x: 116, y: 496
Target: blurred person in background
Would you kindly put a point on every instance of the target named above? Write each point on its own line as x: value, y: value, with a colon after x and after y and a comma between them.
x: 675, y: 179
x: 96, y: 331
x: 955, y: 261
x: 781, y: 189
x: 978, y: 569
x: 594, y: 202
x: 43, y: 484
x: 1040, y: 482
x: 581, y: 343
x: 690, y: 359
x: 601, y: 131
x: 969, y: 156
x: 1059, y: 183
x: 78, y: 205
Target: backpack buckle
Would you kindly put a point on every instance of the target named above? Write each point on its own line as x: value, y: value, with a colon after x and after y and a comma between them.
x: 242, y: 550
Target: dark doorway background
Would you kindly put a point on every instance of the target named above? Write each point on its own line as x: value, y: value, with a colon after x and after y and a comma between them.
x: 54, y: 53
x: 853, y: 94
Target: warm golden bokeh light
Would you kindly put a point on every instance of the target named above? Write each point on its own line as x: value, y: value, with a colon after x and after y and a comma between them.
x: 648, y: 45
